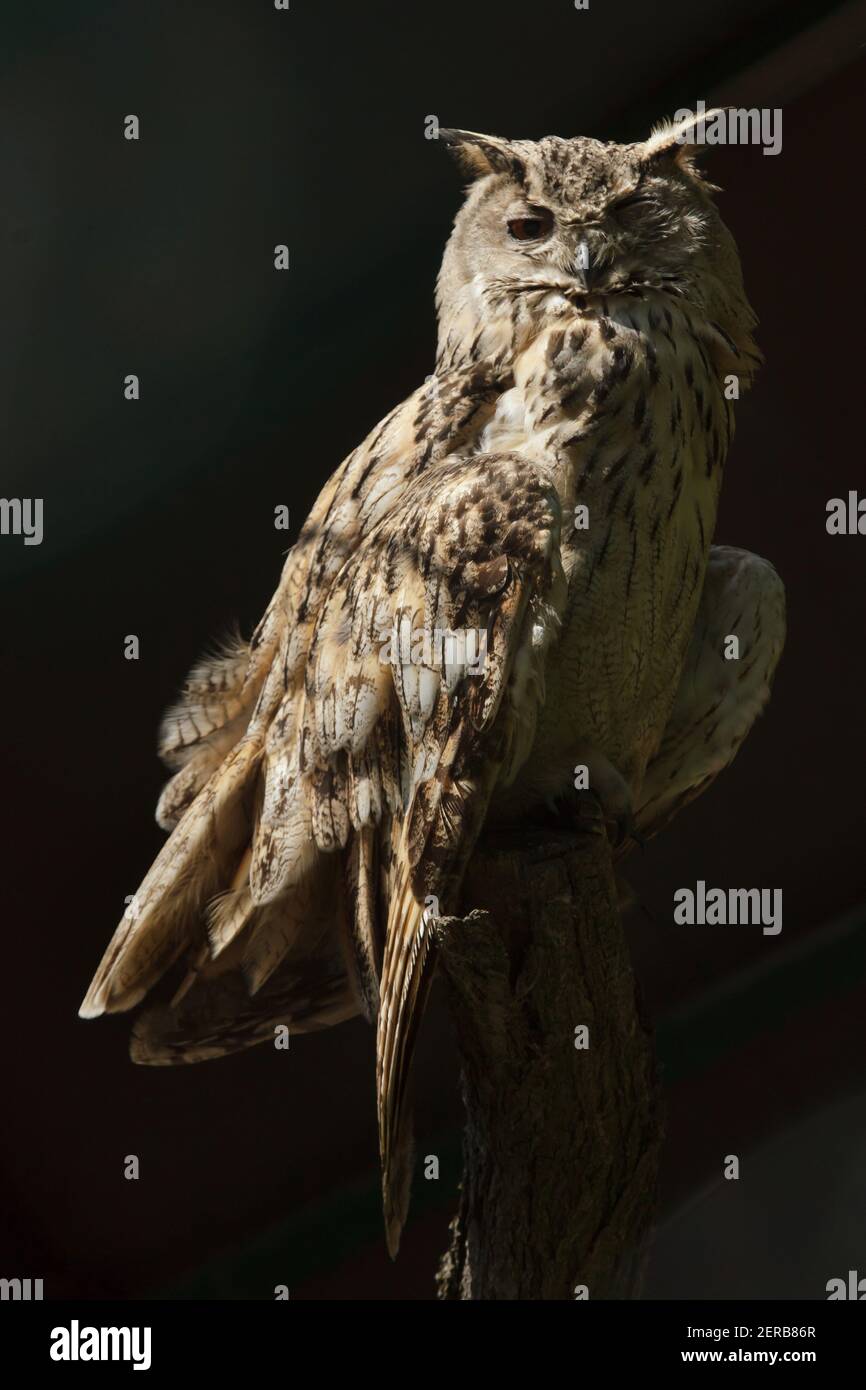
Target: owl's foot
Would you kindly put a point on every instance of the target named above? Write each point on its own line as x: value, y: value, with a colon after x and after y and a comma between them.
x: 585, y: 813
x: 578, y: 812
x: 611, y: 794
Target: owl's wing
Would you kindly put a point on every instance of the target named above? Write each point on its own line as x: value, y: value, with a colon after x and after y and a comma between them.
x: 197, y: 894
x: 425, y: 675
x: 393, y: 679
x: 718, y: 698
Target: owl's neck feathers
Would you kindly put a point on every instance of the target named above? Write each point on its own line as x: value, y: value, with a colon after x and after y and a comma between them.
x: 497, y: 322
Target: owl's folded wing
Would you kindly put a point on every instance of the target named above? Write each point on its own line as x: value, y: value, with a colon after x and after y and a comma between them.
x: 372, y: 722
x: 425, y: 674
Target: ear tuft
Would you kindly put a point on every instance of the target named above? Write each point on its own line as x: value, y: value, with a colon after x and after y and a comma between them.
x: 676, y: 140
x: 479, y: 155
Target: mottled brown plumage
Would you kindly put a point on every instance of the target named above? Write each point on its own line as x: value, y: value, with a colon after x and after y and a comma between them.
x: 591, y: 313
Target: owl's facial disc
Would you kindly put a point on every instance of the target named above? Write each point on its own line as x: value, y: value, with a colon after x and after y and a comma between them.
x: 643, y: 230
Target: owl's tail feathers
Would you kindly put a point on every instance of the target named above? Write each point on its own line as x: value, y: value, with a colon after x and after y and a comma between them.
x: 218, y: 1016
x: 259, y: 973
x: 196, y: 863
x: 406, y: 976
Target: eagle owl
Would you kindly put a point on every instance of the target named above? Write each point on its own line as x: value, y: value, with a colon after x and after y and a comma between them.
x: 551, y: 488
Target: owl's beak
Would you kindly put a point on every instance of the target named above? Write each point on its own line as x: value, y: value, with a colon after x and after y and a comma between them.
x: 583, y: 268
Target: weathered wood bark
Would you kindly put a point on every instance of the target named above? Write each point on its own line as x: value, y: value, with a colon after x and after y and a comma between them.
x: 562, y: 1144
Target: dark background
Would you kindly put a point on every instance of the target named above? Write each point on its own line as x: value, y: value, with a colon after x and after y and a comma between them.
x: 156, y: 257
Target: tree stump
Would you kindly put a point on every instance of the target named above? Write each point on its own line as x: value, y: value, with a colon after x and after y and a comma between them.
x: 562, y: 1143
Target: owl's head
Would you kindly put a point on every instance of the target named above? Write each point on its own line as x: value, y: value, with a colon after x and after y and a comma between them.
x: 585, y: 216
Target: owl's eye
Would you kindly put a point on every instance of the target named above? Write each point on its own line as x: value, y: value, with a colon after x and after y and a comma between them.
x: 533, y: 227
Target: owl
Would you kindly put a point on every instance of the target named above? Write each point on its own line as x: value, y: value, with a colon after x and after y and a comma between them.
x: 511, y: 578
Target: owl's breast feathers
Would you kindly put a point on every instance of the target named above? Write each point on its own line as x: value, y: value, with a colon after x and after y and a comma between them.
x: 624, y: 404
x: 352, y: 726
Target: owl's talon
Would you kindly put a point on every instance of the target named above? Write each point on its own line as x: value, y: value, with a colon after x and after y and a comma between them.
x: 588, y: 814
x: 582, y: 812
